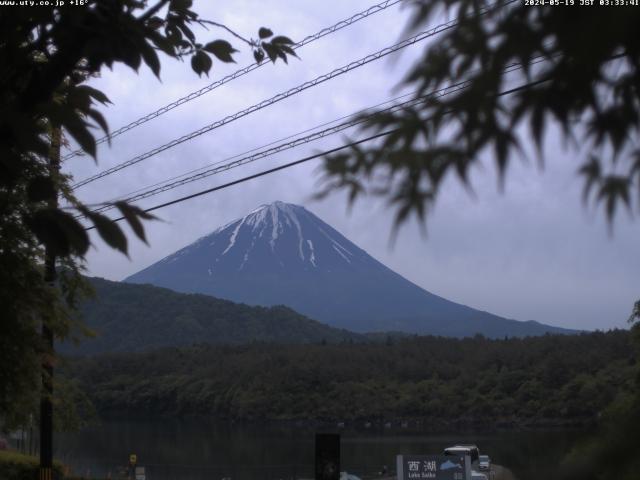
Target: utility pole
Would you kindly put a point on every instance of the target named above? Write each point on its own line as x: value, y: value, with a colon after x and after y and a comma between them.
x: 46, y: 405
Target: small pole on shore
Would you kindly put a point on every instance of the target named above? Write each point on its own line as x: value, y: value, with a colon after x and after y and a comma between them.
x: 327, y: 462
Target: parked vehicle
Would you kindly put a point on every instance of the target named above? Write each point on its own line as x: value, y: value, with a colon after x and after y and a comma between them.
x: 464, y: 449
x: 348, y: 476
x: 484, y: 462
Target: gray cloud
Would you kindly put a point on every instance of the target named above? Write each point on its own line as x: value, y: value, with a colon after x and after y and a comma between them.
x: 533, y: 252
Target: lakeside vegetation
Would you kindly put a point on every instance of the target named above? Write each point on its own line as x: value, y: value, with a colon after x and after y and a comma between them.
x: 535, y: 381
x: 18, y: 466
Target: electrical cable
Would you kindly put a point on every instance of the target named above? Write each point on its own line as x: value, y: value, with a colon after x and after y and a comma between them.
x: 304, y: 160
x: 165, y: 186
x: 270, y: 101
x: 255, y: 149
x: 263, y: 173
x: 238, y: 73
x: 353, y: 120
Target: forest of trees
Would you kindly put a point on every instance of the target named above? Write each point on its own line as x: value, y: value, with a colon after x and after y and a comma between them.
x: 536, y: 381
x: 130, y: 318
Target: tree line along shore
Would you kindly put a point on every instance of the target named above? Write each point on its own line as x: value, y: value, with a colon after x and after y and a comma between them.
x: 552, y: 380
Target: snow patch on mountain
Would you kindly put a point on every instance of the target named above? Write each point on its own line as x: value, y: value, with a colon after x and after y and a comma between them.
x: 277, y: 218
x: 292, y: 216
x: 234, y: 235
x: 337, y: 246
x: 275, y: 226
x: 312, y: 258
x: 340, y: 253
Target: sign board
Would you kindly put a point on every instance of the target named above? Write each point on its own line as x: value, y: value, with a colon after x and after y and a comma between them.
x: 18, y: 435
x: 433, y: 467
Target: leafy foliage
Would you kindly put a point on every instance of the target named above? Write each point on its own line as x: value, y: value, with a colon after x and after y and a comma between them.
x: 73, y: 408
x: 27, y: 301
x: 127, y: 318
x: 611, y: 453
x: 635, y: 313
x: 16, y: 466
x: 549, y: 380
x: 47, y: 53
x: 580, y: 69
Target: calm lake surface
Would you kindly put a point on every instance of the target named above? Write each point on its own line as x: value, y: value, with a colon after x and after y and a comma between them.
x: 201, y: 449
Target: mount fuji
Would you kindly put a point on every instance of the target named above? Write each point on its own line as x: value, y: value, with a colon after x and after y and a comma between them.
x: 282, y: 254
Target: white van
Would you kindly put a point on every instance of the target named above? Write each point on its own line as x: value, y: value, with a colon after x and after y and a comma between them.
x: 464, y: 449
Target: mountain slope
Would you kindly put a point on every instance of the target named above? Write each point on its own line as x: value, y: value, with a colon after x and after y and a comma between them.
x: 283, y: 254
x: 130, y: 318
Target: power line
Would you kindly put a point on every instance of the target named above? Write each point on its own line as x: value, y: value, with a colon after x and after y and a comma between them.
x: 263, y: 173
x: 270, y: 101
x: 217, y: 168
x: 239, y: 73
x: 127, y: 196
x: 283, y: 95
x: 297, y: 140
x: 308, y: 158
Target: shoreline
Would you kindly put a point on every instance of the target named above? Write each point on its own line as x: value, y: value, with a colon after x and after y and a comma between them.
x: 409, y: 425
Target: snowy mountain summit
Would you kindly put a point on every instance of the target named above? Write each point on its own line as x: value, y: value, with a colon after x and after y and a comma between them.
x: 291, y: 236
x: 283, y: 254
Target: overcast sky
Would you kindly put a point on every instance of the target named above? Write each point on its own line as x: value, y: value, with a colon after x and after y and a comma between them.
x: 532, y: 252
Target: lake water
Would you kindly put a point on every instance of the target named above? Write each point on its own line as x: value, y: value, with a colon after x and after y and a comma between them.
x: 201, y: 449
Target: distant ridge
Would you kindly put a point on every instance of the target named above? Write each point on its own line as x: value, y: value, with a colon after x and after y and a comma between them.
x: 133, y: 318
x: 282, y: 254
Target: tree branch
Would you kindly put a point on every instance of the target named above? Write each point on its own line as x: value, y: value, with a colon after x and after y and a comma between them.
x: 153, y: 10
x: 220, y: 25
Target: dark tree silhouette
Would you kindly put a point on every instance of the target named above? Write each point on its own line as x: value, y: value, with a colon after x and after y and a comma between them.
x: 580, y: 71
x: 46, y: 54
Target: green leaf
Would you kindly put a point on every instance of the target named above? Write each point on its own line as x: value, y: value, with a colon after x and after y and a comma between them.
x: 41, y: 189
x: 289, y: 50
x: 59, y: 231
x: 282, y: 40
x: 187, y: 31
x: 592, y: 171
x: 612, y: 190
x: 201, y: 63
x: 77, y: 98
x: 76, y: 234
x: 180, y: 4
x: 173, y: 34
x: 258, y: 55
x: 162, y: 43
x: 222, y: 50
x: 155, y: 23
x: 109, y: 230
x: 538, y: 125
x: 150, y: 57
x: 278, y: 48
x: 264, y: 33
x: 131, y: 214
x: 95, y: 93
x: 47, y: 232
x: 77, y: 128
x: 129, y: 54
x: 99, y: 119
x: 271, y: 51
x: 10, y: 170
